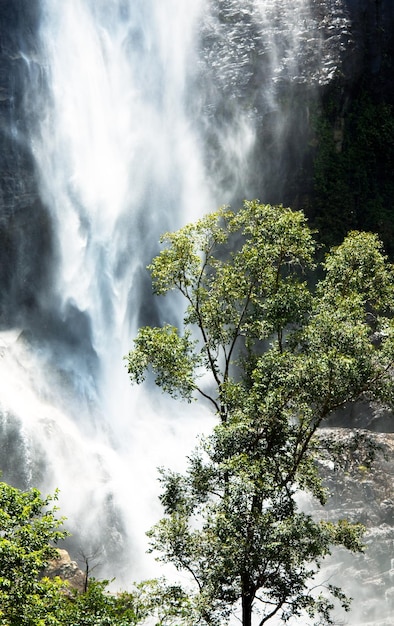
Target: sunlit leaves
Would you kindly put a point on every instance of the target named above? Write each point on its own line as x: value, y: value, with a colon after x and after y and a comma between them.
x: 242, y: 277
x: 167, y: 604
x: 29, y: 528
x: 283, y: 348
x: 170, y: 357
x: 181, y: 263
x: 273, y: 236
x: 358, y: 266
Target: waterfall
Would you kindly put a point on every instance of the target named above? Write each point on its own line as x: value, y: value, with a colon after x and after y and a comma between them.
x: 147, y: 114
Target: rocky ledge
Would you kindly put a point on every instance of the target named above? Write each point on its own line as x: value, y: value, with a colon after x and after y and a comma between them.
x: 361, y: 483
x: 66, y: 569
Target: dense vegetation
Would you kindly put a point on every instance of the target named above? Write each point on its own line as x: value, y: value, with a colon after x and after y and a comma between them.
x: 353, y: 166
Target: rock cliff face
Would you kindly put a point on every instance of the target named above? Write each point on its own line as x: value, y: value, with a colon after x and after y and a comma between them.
x: 25, y: 232
x: 372, y: 33
x: 333, y: 51
x: 68, y: 570
x: 361, y: 482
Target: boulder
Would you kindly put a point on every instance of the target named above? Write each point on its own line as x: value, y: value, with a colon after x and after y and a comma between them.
x: 67, y: 570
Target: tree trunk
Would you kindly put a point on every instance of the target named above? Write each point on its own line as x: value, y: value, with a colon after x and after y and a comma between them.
x: 247, y: 603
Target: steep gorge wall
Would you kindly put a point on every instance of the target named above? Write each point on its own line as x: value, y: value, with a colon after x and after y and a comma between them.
x: 25, y: 230
x: 372, y: 27
x: 361, y: 483
x: 358, y: 34
x: 352, y: 138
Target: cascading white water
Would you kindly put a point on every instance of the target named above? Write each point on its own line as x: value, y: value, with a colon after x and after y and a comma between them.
x: 147, y: 114
x: 119, y: 163
x: 114, y: 142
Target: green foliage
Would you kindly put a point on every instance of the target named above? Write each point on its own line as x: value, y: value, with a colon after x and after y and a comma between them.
x: 28, y: 529
x: 153, y: 600
x: 229, y: 295
x: 98, y: 607
x: 173, y: 365
x: 167, y: 604
x: 278, y: 356
x: 353, y: 168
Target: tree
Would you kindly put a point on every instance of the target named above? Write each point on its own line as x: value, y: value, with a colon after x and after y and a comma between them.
x: 167, y: 604
x: 29, y: 529
x: 285, y: 341
x: 90, y: 561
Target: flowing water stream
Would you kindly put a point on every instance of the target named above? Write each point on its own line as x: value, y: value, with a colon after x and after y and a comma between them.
x: 148, y: 114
